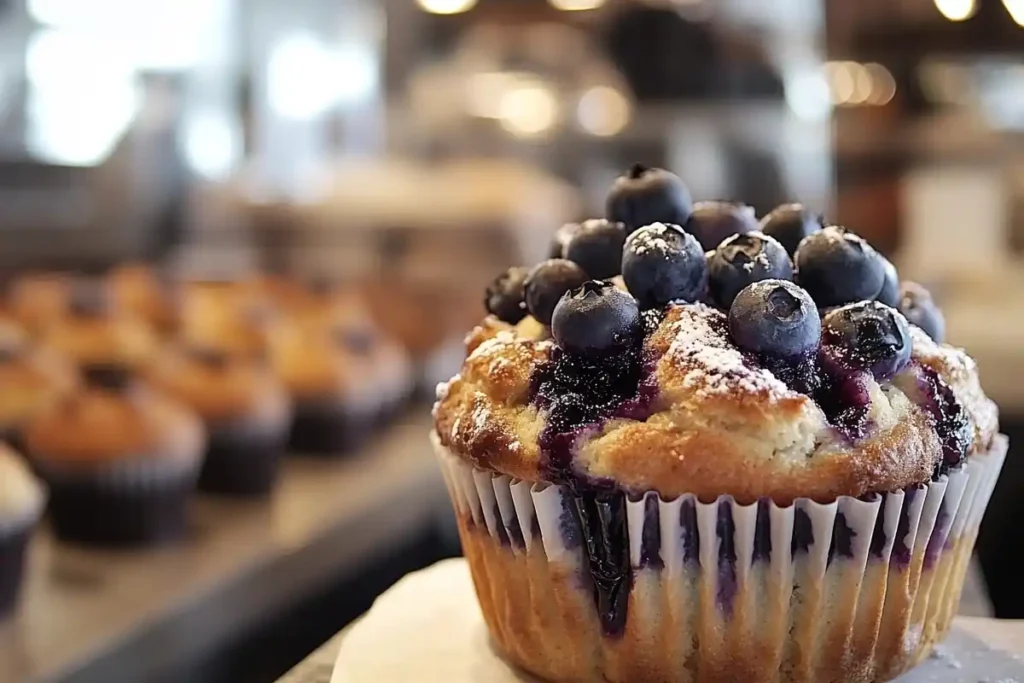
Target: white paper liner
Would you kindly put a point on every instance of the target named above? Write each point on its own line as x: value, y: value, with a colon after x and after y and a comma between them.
x: 882, y: 606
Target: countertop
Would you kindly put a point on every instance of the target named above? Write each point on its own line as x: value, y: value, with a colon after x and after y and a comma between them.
x: 101, y: 616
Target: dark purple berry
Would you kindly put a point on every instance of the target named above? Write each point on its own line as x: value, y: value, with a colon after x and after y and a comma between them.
x: 506, y: 295
x: 837, y: 267
x: 890, y: 292
x: 869, y: 336
x: 711, y: 222
x: 742, y: 260
x: 661, y: 264
x: 917, y: 305
x: 561, y: 238
x: 597, y: 318
x: 790, y: 223
x: 546, y: 284
x: 597, y: 248
x: 643, y: 196
x: 775, y: 318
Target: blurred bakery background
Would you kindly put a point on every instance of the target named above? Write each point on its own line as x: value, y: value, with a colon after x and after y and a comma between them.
x: 237, y: 205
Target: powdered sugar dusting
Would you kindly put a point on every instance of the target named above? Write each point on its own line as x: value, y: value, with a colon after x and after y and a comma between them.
x: 493, y: 345
x: 651, y: 238
x: 713, y: 366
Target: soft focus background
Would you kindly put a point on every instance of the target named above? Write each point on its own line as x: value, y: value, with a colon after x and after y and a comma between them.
x: 410, y: 149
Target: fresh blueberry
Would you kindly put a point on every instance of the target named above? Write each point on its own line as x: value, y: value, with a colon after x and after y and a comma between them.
x: 546, y: 284
x: 597, y: 248
x: 775, y: 318
x: 790, y: 223
x: 643, y: 196
x: 837, y: 267
x: 869, y: 336
x: 661, y: 263
x: 506, y: 295
x: 890, y: 292
x: 561, y: 238
x: 917, y: 305
x: 742, y: 260
x: 712, y: 222
x: 596, y: 319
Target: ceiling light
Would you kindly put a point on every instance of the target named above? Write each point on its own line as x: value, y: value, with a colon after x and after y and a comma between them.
x: 956, y: 10
x: 446, y: 6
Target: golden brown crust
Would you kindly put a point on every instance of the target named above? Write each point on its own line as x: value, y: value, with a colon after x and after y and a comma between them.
x: 135, y: 287
x: 227, y: 315
x: 37, y: 299
x: 718, y: 425
x: 32, y: 380
x: 113, y: 338
x: 314, y: 365
x: 95, y: 426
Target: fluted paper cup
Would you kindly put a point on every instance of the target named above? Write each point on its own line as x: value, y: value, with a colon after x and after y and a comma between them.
x: 853, y: 590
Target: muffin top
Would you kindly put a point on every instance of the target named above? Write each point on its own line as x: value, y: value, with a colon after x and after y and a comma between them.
x: 37, y: 298
x: 32, y: 378
x: 94, y: 331
x: 334, y: 364
x: 773, y: 389
x: 21, y: 494
x: 113, y: 418
x: 148, y: 293
x: 221, y: 386
x: 227, y: 315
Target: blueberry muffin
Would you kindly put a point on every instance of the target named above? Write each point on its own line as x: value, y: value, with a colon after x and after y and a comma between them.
x: 36, y: 299
x: 246, y: 411
x: 120, y: 460
x: 32, y: 378
x: 228, y: 315
x: 93, y: 331
x: 784, y: 486
x: 148, y: 293
x: 21, y: 505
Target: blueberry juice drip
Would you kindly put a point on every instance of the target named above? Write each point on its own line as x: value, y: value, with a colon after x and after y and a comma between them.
x: 580, y: 393
x: 952, y: 423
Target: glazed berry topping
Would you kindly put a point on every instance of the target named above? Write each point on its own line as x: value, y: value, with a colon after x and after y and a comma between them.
x: 561, y: 238
x: 506, y: 295
x: 790, y: 223
x: 661, y: 263
x: 643, y: 196
x: 917, y: 305
x: 712, y: 222
x: 595, y: 319
x: 597, y: 248
x: 775, y: 318
x: 890, y: 293
x: 546, y: 284
x: 108, y: 376
x: 742, y: 260
x: 869, y: 336
x: 89, y: 299
x: 953, y: 425
x: 205, y: 355
x: 837, y: 267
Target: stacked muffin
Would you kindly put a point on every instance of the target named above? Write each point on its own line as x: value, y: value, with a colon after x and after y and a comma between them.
x: 750, y: 457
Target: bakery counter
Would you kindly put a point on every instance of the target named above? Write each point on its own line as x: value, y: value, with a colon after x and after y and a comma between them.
x: 103, y: 616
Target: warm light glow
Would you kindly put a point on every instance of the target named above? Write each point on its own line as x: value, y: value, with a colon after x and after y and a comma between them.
x: 883, y: 85
x: 212, y: 144
x: 603, y: 111
x: 484, y: 92
x: 576, y: 5
x: 528, y: 111
x: 840, y: 81
x: 862, y: 85
x: 957, y: 10
x: 1015, y: 8
x: 446, y: 6
x: 808, y: 96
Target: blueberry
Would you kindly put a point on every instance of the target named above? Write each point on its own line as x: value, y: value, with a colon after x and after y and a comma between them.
x: 661, y: 263
x: 712, y: 222
x: 546, y: 284
x: 643, y: 196
x: 890, y: 292
x: 775, y: 318
x: 837, y: 267
x: 597, y: 248
x: 89, y: 299
x: 596, y: 319
x: 790, y: 223
x: 742, y: 260
x: 869, y: 336
x: 917, y: 305
x: 561, y: 238
x: 506, y: 295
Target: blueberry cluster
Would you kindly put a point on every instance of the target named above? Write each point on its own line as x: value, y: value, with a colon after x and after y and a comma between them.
x: 790, y: 284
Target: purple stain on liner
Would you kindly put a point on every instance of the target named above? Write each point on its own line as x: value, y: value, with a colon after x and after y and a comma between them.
x: 937, y: 541
x: 514, y: 531
x: 900, y: 557
x: 499, y: 526
x: 650, y: 540
x: 689, y: 538
x: 568, y: 522
x: 603, y: 517
x: 725, y: 528
x: 763, y: 532
x: 842, y: 540
x: 803, y: 532
x: 878, y: 537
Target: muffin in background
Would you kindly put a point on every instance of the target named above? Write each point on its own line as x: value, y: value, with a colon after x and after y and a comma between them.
x: 120, y: 460
x: 246, y: 410
x: 331, y: 382
x: 32, y: 379
x: 94, y: 331
x: 228, y: 315
x: 22, y: 499
x: 149, y: 294
x: 36, y: 299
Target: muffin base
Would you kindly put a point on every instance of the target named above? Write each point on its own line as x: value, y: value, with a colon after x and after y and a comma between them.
x: 13, y: 552
x: 243, y: 463
x: 329, y: 431
x: 781, y: 602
